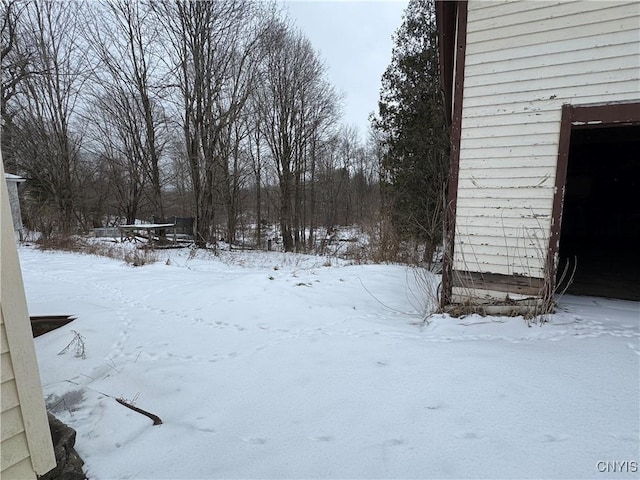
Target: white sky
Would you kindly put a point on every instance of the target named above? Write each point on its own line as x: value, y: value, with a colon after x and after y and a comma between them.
x: 354, y: 40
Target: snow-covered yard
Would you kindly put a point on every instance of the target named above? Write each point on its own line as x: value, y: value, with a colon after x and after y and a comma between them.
x: 266, y: 365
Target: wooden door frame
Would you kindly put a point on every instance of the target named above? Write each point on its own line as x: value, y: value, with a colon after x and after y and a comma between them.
x: 602, y: 115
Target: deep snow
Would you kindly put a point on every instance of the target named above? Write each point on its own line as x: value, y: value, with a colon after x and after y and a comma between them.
x: 266, y: 365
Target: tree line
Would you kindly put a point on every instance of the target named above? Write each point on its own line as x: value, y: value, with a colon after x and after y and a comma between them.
x: 219, y: 110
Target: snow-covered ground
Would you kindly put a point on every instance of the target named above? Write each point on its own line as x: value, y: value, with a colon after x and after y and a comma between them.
x: 266, y: 365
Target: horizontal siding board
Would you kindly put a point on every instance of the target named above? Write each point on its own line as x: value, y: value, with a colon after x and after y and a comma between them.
x: 513, y: 171
x: 570, y: 73
x: 522, y: 287
x: 489, y: 131
x: 512, y: 142
x: 4, y: 346
x: 613, y: 51
x: 528, y: 264
x: 517, y: 179
x: 513, y: 243
x: 505, y: 255
x: 553, y: 98
x: 489, y: 9
x: 554, y: 16
x: 490, y: 117
x: 578, y: 24
x: 492, y: 267
x: 474, y: 203
x: 6, y: 368
x: 12, y: 423
x: 465, y: 234
x: 9, y: 395
x: 513, y: 183
x: 506, y: 161
x: 513, y: 151
x: 511, y: 193
x: 529, y: 222
x: 620, y: 74
x: 499, y: 269
x: 14, y: 450
x: 500, y: 58
x: 511, y: 212
x: 19, y: 471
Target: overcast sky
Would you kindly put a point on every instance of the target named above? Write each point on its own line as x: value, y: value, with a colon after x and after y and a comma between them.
x: 354, y: 40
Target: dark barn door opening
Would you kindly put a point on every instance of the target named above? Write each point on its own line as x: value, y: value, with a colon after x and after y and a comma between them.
x: 600, y: 230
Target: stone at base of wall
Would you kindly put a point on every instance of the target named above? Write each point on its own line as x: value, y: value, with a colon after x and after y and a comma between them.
x: 69, y: 463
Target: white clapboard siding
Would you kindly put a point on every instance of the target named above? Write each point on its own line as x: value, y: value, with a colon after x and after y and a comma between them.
x: 508, y: 130
x: 26, y: 450
x: 6, y: 368
x: 490, y: 9
x: 471, y: 165
x: 524, y: 60
x: 472, y: 203
x: 551, y: 99
x: 559, y: 21
x: 12, y: 423
x: 14, y: 450
x: 621, y: 72
x: 574, y: 47
x: 499, y: 234
x: 500, y: 213
x: 507, y: 193
x: 516, y: 242
x: 19, y: 471
x: 470, y: 260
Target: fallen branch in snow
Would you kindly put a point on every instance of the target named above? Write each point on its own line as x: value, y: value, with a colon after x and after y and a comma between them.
x: 155, y: 418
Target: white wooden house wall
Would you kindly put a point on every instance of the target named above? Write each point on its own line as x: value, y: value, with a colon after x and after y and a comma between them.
x: 25, y: 440
x: 524, y: 60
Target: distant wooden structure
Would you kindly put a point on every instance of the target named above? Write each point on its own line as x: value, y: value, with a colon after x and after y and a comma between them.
x: 160, y: 232
x: 146, y: 232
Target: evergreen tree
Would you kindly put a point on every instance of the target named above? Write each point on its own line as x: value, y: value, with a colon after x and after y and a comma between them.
x: 412, y: 130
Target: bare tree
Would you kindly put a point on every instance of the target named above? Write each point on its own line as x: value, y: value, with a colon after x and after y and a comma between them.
x: 212, y: 51
x: 49, y: 149
x: 293, y: 102
x: 14, y: 67
x: 124, y: 40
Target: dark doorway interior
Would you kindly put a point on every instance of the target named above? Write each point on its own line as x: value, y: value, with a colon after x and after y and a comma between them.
x: 601, y: 214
